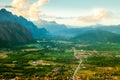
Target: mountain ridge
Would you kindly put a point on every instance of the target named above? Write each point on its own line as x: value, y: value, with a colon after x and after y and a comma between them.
x: 8, y: 16
x: 13, y: 33
x: 93, y: 36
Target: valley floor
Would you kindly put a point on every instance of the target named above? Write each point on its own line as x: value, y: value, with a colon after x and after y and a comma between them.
x: 58, y: 60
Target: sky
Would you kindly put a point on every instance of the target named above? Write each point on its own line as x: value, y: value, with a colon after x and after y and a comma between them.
x: 69, y: 12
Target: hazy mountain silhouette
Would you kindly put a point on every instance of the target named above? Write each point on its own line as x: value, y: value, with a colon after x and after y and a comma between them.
x: 97, y: 35
x: 8, y: 16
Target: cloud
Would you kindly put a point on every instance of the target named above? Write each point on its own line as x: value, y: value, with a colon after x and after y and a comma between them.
x: 93, y: 17
x: 30, y: 11
x: 96, y: 16
x: 8, y: 6
x: 1, y: 5
x: 34, y: 8
x: 5, y: 6
x: 18, y: 4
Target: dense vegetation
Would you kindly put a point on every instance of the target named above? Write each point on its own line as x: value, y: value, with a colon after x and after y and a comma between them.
x: 28, y: 61
x: 54, y: 60
x: 13, y: 33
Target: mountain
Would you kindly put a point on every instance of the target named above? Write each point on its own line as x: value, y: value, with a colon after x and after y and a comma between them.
x: 13, y: 33
x: 93, y: 36
x: 53, y: 27
x: 67, y: 32
x: 110, y: 28
x: 60, y: 30
x: 78, y: 31
x: 8, y: 16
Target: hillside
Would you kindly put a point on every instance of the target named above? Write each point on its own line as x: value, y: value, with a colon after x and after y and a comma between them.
x: 53, y: 28
x: 94, y: 36
x: 13, y: 33
x: 111, y: 28
x: 8, y: 16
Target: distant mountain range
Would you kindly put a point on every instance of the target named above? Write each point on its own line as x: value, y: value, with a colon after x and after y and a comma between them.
x: 89, y: 34
x: 45, y: 29
x: 60, y: 29
x: 36, y: 32
x: 53, y: 28
x: 13, y: 33
x: 65, y: 31
x: 110, y: 28
x: 95, y: 36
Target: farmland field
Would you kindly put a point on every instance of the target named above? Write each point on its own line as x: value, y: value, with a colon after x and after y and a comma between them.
x: 51, y: 60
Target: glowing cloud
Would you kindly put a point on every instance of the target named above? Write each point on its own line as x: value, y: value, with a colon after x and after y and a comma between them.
x: 1, y: 5
x: 34, y: 9
x: 31, y: 11
x: 97, y: 15
x: 18, y: 4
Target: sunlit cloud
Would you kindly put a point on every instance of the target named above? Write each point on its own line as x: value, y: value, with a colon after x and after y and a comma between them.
x: 96, y: 16
x: 1, y: 5
x: 18, y: 4
x: 31, y: 11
